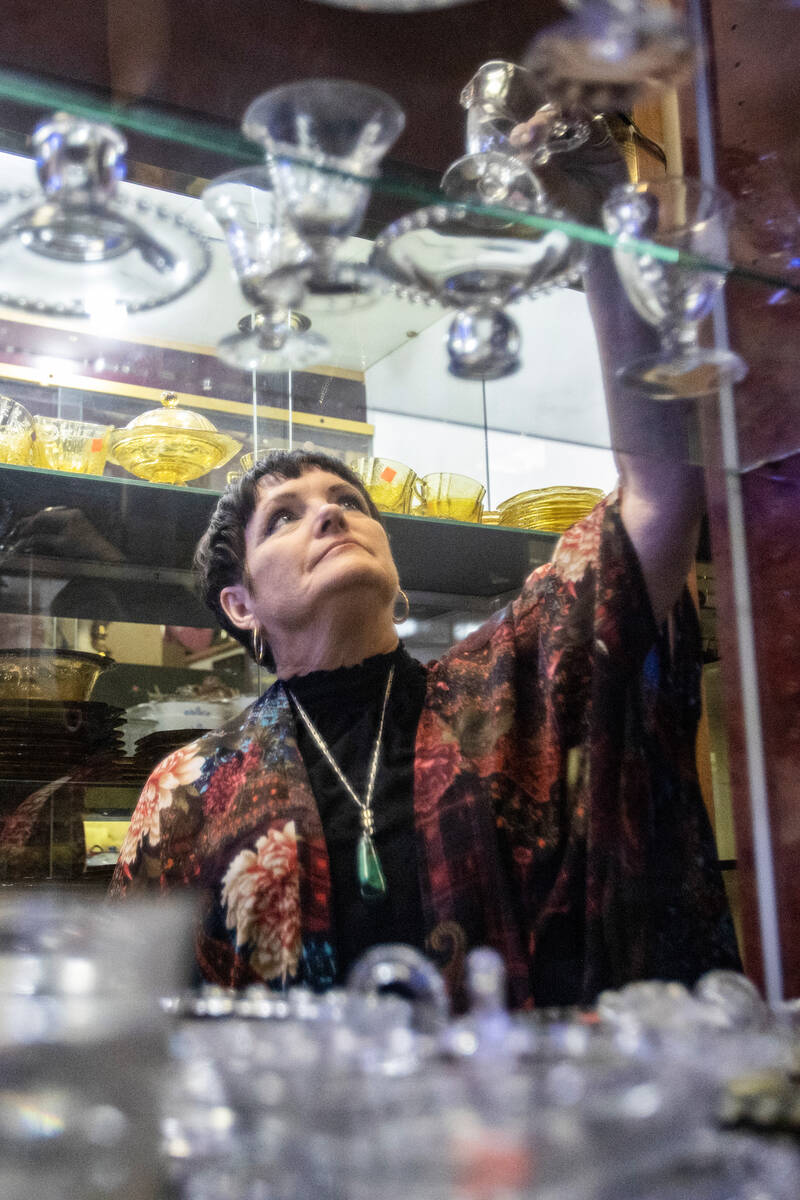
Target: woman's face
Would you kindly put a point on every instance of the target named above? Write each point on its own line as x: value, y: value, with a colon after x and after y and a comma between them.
x: 310, y: 544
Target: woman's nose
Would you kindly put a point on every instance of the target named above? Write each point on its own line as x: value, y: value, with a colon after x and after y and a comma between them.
x: 330, y: 516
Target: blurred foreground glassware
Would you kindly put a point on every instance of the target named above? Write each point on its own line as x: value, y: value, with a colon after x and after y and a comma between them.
x: 324, y: 140
x: 392, y: 485
x: 272, y: 266
x: 610, y: 53
x: 501, y: 96
x: 82, y: 248
x: 83, y: 1044
x: 477, y: 263
x: 64, y: 445
x: 692, y: 218
x: 455, y: 497
x: 406, y: 972
x: 171, y: 444
x: 16, y: 427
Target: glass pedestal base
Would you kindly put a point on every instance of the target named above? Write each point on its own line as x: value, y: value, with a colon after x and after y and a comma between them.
x: 689, y: 376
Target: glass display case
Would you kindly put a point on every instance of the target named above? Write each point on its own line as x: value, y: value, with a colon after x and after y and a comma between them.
x: 141, y: 362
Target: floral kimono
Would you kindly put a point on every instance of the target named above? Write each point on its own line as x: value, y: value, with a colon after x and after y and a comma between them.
x: 557, y: 810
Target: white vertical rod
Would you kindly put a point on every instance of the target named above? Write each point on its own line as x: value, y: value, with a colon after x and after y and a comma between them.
x: 291, y: 418
x: 743, y: 610
x: 254, y: 403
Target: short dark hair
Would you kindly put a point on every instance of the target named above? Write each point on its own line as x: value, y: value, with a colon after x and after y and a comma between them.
x: 219, y: 559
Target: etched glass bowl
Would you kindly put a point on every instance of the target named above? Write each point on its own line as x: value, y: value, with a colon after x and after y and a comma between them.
x: 50, y: 674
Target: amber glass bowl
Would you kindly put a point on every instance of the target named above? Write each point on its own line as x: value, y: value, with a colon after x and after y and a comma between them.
x: 171, y: 444
x: 50, y: 674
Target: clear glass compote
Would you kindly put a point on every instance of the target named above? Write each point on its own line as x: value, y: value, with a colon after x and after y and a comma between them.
x: 610, y: 52
x: 494, y: 179
x: 324, y: 139
x: 477, y: 263
x: 692, y: 218
x: 272, y: 264
x: 80, y: 247
x: 500, y: 97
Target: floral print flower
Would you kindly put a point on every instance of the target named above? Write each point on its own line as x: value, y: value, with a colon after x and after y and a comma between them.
x: 227, y: 777
x: 261, y: 891
x: 178, y: 769
x: 579, y: 547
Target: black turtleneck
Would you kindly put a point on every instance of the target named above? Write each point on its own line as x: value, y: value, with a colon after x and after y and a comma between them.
x: 345, y: 706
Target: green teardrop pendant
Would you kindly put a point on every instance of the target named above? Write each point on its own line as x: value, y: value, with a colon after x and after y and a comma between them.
x: 371, y: 880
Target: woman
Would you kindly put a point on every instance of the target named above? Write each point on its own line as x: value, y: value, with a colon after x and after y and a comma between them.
x: 534, y: 790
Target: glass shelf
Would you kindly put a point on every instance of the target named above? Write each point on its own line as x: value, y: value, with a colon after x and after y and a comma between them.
x: 396, y: 180
x: 450, y: 560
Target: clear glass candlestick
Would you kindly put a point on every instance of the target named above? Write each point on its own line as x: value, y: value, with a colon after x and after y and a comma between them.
x: 81, y: 247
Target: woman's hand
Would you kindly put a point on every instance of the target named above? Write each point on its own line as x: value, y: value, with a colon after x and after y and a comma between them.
x: 60, y: 532
x: 579, y: 180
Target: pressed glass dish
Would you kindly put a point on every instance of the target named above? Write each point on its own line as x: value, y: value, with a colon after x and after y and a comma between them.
x: 551, y: 509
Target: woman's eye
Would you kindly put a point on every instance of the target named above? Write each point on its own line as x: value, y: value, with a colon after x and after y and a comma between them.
x: 278, y: 518
x: 351, y: 500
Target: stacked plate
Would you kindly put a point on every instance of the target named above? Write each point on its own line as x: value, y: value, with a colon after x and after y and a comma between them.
x: 552, y: 509
x: 151, y: 749
x: 42, y: 739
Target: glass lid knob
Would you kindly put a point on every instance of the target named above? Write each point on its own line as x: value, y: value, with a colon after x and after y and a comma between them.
x: 79, y: 162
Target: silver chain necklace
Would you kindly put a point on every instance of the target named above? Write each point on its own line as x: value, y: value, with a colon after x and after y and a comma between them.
x: 371, y: 880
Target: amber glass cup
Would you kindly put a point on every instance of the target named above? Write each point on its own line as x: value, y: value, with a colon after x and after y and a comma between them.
x: 16, y: 426
x: 77, y: 446
x: 392, y: 485
x: 456, y: 497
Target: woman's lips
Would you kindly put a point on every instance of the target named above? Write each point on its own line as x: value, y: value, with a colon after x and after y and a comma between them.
x: 338, y: 545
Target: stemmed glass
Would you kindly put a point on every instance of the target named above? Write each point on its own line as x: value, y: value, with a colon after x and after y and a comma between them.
x: 324, y: 139
x: 692, y: 218
x: 272, y: 264
x: 609, y: 52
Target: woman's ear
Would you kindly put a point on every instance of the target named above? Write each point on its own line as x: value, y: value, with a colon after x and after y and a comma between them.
x: 235, y: 602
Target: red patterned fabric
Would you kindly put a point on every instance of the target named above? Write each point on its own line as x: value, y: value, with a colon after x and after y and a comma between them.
x: 557, y: 808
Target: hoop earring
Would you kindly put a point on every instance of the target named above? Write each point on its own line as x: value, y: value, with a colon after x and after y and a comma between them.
x: 399, y: 619
x: 258, y: 645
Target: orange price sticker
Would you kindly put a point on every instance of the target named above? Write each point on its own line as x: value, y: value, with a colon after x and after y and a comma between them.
x: 97, y: 444
x: 388, y: 474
